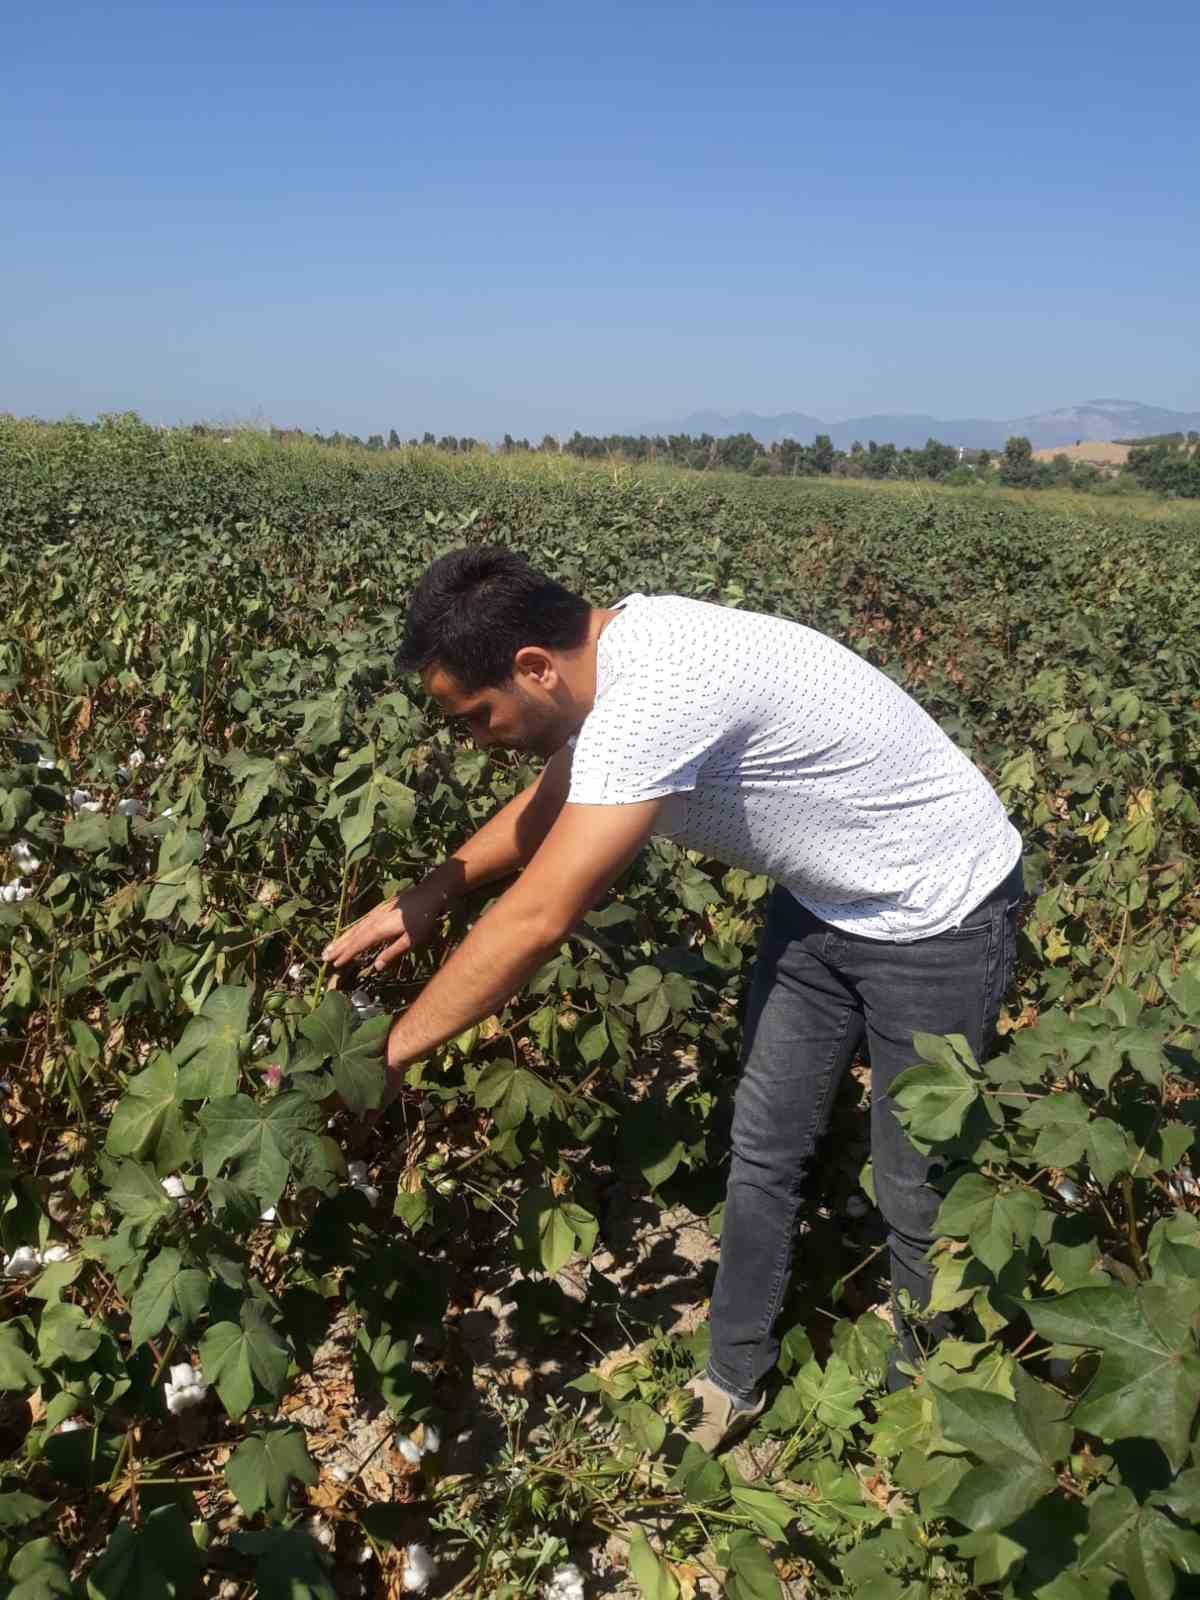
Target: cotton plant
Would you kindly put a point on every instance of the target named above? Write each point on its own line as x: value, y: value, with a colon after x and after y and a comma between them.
x: 12, y: 894
x: 83, y: 803
x: 412, y: 1449
x: 131, y: 807
x: 174, y: 1188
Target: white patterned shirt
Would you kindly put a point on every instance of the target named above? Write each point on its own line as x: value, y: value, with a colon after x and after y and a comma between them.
x: 785, y: 753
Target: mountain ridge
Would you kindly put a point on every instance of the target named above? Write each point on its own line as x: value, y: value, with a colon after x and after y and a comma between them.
x: 1104, y: 419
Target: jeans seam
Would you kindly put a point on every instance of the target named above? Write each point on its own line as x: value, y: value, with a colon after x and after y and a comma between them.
x: 781, y: 1269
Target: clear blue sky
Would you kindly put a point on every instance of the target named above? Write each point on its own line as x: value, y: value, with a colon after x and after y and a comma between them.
x: 473, y: 217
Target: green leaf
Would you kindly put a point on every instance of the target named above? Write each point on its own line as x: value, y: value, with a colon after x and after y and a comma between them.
x: 653, y: 1576
x: 18, y: 1508
x: 17, y: 1369
x: 1173, y: 1247
x: 550, y: 1231
x: 179, y: 890
x: 751, y: 1573
x: 1148, y: 1382
x: 698, y: 1478
x: 287, y: 1565
x: 40, y: 1571
x: 1061, y: 1122
x: 932, y: 1100
x: 1139, y: 1542
x: 232, y: 1357
x: 1020, y: 1443
x: 645, y: 1426
x: 156, y: 1562
x: 260, y: 1142
x: 67, y: 1334
x: 262, y: 1467
x: 769, y: 1513
x: 136, y: 1192
x: 356, y: 1053
x: 993, y: 1220
x: 832, y: 1394
x: 207, y: 1054
x: 148, y: 1123
x: 641, y: 982
x: 1110, y: 1150
x: 167, y: 1288
x: 510, y: 1092
x: 864, y: 1345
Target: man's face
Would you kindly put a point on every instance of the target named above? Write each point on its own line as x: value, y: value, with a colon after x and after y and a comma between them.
x: 519, y: 715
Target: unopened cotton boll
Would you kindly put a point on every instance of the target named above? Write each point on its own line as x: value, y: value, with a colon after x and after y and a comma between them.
x: 23, y: 857
x: 175, y: 1187
x: 23, y: 1263
x: 419, y: 1568
x: 185, y: 1388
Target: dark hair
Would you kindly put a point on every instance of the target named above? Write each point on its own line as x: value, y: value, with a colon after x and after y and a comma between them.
x: 475, y: 608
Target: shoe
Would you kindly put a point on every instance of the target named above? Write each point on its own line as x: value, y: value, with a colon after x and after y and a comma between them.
x: 715, y: 1422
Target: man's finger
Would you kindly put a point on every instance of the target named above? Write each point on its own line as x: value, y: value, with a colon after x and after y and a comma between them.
x: 392, y: 953
x: 349, y: 944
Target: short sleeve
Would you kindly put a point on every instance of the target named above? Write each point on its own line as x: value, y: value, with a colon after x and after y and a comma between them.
x: 633, y: 746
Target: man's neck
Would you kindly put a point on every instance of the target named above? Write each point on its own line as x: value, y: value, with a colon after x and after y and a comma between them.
x: 580, y: 669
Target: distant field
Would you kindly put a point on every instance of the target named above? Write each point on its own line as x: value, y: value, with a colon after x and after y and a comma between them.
x: 1099, y: 452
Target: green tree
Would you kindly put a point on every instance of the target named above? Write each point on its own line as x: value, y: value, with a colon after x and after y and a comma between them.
x: 1018, y: 469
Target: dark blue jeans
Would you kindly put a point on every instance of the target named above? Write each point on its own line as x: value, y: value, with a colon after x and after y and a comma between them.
x: 816, y: 994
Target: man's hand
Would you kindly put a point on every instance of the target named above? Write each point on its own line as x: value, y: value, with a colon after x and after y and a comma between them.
x: 399, y: 924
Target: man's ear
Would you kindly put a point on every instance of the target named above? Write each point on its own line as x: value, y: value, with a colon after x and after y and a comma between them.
x: 537, y: 663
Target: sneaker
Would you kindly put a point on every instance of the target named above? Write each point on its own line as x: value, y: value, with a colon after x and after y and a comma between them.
x: 715, y: 1421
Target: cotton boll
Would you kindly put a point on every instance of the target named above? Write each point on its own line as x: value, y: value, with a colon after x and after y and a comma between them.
x: 565, y: 1583
x: 269, y: 1215
x: 46, y: 765
x: 364, y: 1555
x: 185, y: 1389
x: 1069, y: 1192
x: 356, y: 1172
x: 23, y: 857
x: 369, y: 1193
x: 340, y: 1474
x: 23, y: 1263
x: 419, y: 1568
x: 56, y: 1252
x: 175, y: 1187
x: 262, y: 1043
x: 11, y: 894
x: 321, y: 1531
x: 73, y: 1425
x: 410, y: 1451
x: 135, y: 759
x: 130, y: 808
x: 296, y: 971
x: 431, y: 1441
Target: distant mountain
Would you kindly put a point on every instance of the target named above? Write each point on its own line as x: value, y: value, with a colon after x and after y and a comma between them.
x: 1094, y: 419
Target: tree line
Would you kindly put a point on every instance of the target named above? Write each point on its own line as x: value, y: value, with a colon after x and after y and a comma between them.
x: 1169, y: 465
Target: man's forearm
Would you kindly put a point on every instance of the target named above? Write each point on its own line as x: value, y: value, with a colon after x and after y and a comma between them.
x: 500, y: 953
x: 507, y: 841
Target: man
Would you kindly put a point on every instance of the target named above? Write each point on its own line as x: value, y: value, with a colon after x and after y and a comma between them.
x: 766, y: 745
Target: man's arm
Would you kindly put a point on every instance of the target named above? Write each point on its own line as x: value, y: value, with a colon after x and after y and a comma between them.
x: 583, y: 854
x: 505, y: 843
